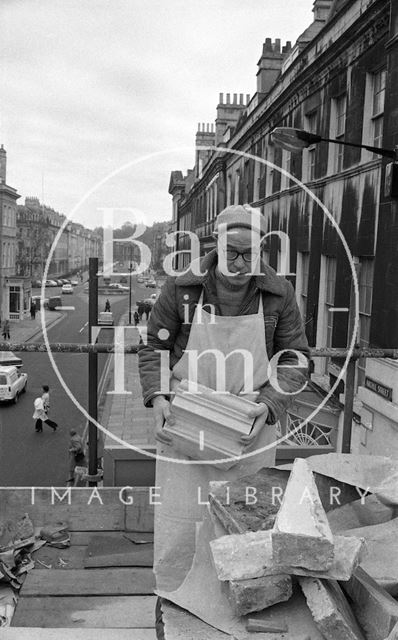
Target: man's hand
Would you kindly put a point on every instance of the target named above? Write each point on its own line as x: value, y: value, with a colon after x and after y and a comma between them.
x: 260, y: 413
x: 162, y: 414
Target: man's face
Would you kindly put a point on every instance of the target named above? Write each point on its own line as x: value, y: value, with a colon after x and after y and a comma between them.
x: 241, y: 251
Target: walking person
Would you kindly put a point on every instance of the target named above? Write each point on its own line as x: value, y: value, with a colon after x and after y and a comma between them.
x: 136, y: 318
x: 107, y: 305
x: 41, y: 416
x: 76, y: 454
x: 6, y: 329
x: 140, y: 310
x: 32, y: 310
x: 46, y: 397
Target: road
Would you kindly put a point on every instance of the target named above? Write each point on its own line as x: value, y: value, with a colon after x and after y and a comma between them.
x: 28, y: 458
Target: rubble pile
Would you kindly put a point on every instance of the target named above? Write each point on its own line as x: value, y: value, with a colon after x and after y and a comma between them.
x: 261, y: 568
x: 19, y: 540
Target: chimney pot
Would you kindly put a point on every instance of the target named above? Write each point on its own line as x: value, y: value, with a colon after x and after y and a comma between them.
x: 221, y: 98
x: 247, y: 98
x: 241, y: 98
x: 277, y: 45
x: 228, y: 98
x: 235, y: 98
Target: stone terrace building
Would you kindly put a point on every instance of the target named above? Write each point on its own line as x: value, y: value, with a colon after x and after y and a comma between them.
x: 338, y: 80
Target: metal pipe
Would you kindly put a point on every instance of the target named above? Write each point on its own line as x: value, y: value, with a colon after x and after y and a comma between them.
x: 92, y: 370
x: 73, y: 347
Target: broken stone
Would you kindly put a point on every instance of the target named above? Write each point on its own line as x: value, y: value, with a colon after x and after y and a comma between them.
x: 246, y: 596
x: 375, y: 609
x: 249, y: 555
x: 301, y: 536
x: 330, y: 609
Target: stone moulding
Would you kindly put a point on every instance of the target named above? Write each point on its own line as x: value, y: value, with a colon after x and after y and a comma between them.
x: 208, y: 425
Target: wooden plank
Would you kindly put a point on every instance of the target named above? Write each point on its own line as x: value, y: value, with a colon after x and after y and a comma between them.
x: 73, y: 557
x: 82, y: 538
x: 115, y: 550
x: 31, y: 633
x: 78, y: 506
x: 86, y: 582
x: 375, y: 609
x: 91, y: 612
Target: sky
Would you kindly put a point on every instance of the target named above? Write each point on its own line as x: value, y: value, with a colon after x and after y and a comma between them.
x: 100, y: 99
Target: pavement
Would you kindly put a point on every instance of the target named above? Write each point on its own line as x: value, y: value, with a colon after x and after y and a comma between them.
x: 124, y: 415
x: 27, y: 329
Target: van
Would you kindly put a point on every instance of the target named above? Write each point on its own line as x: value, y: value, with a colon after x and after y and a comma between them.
x: 54, y: 301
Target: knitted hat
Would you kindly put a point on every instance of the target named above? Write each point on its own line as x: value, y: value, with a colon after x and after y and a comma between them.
x: 241, y: 215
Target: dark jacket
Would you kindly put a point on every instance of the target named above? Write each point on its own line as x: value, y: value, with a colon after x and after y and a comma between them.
x: 283, y: 328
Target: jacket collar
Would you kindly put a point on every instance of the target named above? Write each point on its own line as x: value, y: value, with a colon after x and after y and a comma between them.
x: 268, y: 281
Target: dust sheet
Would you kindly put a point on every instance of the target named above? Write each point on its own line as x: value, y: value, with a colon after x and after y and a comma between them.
x: 377, y: 474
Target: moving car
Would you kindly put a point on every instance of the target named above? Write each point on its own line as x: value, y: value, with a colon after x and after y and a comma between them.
x: 118, y: 286
x: 74, y: 283
x: 151, y: 284
x: 39, y: 301
x: 12, y: 384
x: 67, y: 288
x: 105, y: 318
x: 54, y: 302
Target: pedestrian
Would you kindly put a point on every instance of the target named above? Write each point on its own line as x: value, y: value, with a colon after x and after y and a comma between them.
x: 76, y: 453
x: 41, y: 416
x: 46, y: 397
x: 221, y: 305
x: 147, y: 310
x: 32, y: 310
x: 140, y: 310
x: 6, y: 329
x: 136, y: 318
x: 107, y: 305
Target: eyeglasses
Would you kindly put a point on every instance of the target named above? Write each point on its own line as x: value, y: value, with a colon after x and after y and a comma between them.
x: 248, y: 256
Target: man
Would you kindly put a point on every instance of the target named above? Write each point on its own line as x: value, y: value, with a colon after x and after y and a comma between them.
x: 40, y: 416
x: 76, y: 454
x: 234, y: 301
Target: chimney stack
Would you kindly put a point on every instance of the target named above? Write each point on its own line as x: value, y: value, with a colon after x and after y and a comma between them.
x: 270, y: 64
x: 228, y: 113
x: 321, y: 9
x: 3, y: 165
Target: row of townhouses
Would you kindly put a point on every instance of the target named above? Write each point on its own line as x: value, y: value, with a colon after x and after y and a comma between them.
x: 340, y: 81
x: 27, y: 233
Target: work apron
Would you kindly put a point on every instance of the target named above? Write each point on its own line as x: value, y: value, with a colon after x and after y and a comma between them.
x: 183, y: 487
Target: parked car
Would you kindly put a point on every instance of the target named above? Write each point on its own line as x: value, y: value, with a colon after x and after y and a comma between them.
x: 50, y: 283
x: 53, y: 302
x: 7, y: 358
x: 67, y: 288
x: 151, y: 284
x: 12, y: 383
x: 118, y: 286
x: 65, y: 281
x: 36, y: 284
x: 140, y: 279
x: 74, y: 283
x: 123, y: 279
x: 105, y: 318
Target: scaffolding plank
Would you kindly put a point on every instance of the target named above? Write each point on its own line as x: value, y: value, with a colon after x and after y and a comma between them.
x: 89, y: 582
